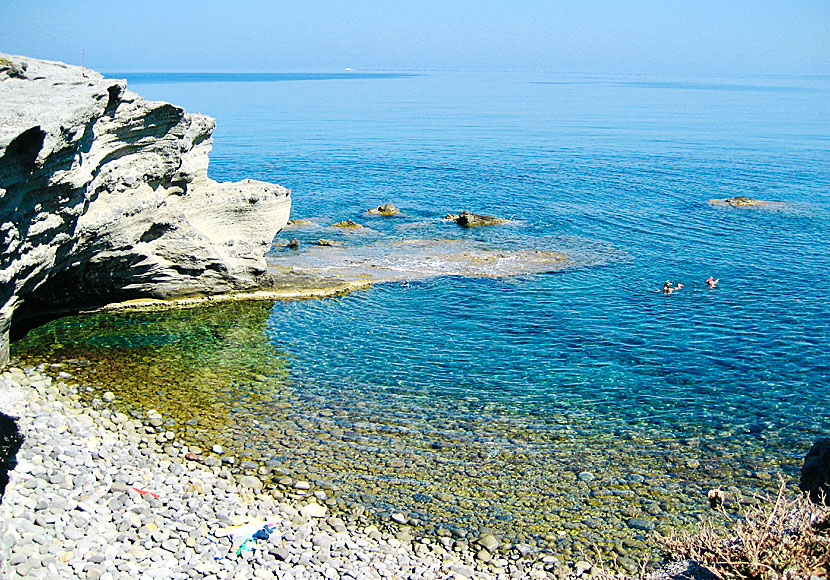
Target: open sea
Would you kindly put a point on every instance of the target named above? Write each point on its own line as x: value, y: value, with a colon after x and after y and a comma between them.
x: 567, y: 409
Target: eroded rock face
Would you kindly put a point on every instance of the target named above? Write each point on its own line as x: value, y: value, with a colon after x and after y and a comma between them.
x: 104, y: 196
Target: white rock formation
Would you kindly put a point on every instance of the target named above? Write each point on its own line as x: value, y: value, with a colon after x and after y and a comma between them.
x: 104, y: 197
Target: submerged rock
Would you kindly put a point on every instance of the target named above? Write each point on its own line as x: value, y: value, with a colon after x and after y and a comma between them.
x: 815, y: 473
x: 472, y: 220
x: 742, y: 201
x: 418, y: 259
x: 106, y: 198
x: 386, y: 209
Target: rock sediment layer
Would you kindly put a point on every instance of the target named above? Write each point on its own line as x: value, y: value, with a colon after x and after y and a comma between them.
x: 104, y: 196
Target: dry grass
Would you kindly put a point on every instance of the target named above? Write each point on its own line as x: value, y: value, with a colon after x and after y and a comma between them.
x: 788, y: 539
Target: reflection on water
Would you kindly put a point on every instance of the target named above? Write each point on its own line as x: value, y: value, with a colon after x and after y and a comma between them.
x: 554, y: 406
x: 565, y: 475
x: 200, y: 368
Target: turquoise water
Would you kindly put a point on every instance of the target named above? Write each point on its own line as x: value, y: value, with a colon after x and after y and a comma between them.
x: 620, y: 165
x: 530, y: 380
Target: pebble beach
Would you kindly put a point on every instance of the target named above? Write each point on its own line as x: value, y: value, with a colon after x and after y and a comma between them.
x: 98, y: 494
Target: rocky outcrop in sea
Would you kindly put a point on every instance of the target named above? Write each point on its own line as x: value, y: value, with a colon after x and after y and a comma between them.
x: 104, y: 197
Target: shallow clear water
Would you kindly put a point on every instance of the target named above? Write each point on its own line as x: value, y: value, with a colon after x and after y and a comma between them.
x: 490, y: 396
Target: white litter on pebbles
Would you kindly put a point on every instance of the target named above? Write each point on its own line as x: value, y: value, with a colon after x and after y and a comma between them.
x: 93, y: 497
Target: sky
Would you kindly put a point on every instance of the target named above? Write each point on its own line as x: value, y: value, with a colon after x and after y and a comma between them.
x: 594, y: 36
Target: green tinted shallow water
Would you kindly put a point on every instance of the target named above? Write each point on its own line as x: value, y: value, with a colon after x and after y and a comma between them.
x: 200, y: 368
x: 569, y: 482
x: 479, y: 402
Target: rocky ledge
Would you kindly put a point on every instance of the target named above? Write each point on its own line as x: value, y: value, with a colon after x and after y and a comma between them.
x: 104, y: 197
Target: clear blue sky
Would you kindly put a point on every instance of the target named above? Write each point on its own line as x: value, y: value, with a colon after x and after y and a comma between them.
x: 655, y: 36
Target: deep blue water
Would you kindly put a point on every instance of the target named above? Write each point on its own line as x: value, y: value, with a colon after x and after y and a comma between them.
x: 618, y: 166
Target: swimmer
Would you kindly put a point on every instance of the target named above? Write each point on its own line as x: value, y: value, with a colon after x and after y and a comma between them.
x: 667, y: 287
x: 712, y: 282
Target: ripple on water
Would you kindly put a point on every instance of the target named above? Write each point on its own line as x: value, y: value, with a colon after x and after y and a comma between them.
x: 413, y: 397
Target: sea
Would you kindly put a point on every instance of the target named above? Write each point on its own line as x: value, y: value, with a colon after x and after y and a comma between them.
x: 570, y: 408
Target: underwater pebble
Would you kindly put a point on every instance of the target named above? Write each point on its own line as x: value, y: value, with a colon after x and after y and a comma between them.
x: 121, y: 514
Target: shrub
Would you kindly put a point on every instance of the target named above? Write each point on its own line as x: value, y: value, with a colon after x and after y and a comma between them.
x: 788, y: 539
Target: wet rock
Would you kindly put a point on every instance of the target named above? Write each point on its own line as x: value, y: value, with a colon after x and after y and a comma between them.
x: 471, y: 220
x: 641, y: 524
x: 815, y: 473
x: 327, y: 243
x: 386, y: 209
x: 742, y: 201
x: 586, y: 476
x: 347, y: 224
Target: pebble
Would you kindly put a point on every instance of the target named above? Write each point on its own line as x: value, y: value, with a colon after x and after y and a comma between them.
x: 76, y: 477
x: 489, y: 542
x: 251, y: 482
x: 586, y: 476
x: 641, y: 524
x: 313, y: 510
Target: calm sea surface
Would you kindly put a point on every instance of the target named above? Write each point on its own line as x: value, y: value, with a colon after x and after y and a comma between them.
x: 554, y: 407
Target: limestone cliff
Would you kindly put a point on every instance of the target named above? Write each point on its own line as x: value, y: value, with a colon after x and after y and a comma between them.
x: 104, y: 197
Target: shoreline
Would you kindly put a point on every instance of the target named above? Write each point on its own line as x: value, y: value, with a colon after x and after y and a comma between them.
x: 95, y: 522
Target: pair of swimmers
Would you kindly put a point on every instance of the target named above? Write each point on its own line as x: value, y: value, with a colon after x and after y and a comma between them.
x: 668, y: 288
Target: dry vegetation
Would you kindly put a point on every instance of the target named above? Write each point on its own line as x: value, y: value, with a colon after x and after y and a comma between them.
x: 788, y: 539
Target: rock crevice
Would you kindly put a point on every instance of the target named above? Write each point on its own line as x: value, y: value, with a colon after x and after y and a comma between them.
x: 104, y: 197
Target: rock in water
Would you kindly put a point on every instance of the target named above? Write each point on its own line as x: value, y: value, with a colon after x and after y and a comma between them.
x: 347, y: 224
x: 105, y: 197
x: 472, y: 220
x: 385, y: 209
x: 743, y: 201
x: 815, y: 473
